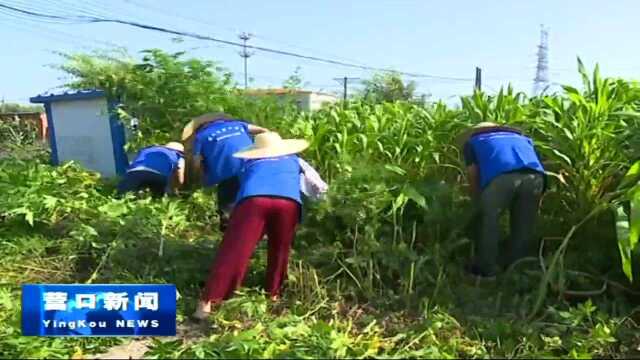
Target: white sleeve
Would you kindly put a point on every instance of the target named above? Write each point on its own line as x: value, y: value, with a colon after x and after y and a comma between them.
x: 311, y: 184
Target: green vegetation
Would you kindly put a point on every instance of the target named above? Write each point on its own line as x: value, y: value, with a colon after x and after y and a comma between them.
x: 376, y: 270
x: 7, y: 107
x: 388, y: 87
x: 19, y: 139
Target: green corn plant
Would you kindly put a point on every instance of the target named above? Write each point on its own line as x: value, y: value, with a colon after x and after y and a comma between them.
x: 628, y: 222
x: 587, y: 137
x: 507, y: 106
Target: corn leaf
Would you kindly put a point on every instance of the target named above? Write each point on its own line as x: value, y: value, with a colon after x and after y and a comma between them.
x: 628, y: 231
x: 413, y: 194
x: 631, y: 177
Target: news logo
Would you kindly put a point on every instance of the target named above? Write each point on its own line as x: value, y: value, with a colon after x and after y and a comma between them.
x: 98, y: 310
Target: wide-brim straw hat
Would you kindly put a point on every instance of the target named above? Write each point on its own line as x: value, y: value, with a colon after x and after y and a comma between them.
x: 197, y: 122
x: 485, y: 126
x: 270, y: 144
x: 175, y: 146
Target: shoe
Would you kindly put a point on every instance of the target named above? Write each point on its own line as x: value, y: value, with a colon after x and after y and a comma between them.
x: 475, y: 271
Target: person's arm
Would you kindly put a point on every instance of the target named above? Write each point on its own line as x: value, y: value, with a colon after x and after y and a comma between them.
x: 545, y: 180
x: 193, y: 162
x: 540, y: 159
x: 255, y: 129
x: 180, y: 171
x: 311, y: 184
x: 473, y: 172
x: 176, y: 180
x: 474, y: 180
x: 196, y: 169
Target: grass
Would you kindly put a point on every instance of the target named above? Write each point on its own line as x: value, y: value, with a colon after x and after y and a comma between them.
x: 431, y: 310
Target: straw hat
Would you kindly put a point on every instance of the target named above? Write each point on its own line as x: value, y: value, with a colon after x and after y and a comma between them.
x: 270, y: 144
x: 197, y: 122
x: 175, y: 146
x: 485, y: 126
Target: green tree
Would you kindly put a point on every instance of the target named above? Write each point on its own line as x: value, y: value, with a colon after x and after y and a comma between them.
x: 7, y: 107
x: 388, y: 87
x: 165, y: 90
x: 294, y: 81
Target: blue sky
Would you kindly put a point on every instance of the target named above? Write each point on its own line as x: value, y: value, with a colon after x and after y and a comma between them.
x: 444, y: 38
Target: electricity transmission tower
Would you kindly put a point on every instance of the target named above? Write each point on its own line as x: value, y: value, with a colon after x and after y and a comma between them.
x: 245, y: 54
x: 541, y: 81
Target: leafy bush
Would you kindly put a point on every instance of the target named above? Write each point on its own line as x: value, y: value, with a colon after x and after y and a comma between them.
x: 164, y: 91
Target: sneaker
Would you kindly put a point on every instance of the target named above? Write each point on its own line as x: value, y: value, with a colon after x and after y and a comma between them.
x: 475, y: 271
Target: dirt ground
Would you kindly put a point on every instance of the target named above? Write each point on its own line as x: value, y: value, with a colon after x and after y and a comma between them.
x: 137, y: 347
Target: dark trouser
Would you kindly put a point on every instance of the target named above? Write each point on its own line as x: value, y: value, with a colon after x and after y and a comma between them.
x: 249, y: 221
x: 226, y: 192
x: 142, y: 179
x: 520, y: 192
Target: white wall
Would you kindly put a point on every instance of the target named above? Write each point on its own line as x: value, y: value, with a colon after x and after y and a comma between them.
x: 317, y: 100
x: 83, y: 134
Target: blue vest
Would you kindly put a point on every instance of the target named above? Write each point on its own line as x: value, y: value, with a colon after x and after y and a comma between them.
x: 216, y: 143
x: 157, y: 158
x: 502, y: 152
x: 277, y: 176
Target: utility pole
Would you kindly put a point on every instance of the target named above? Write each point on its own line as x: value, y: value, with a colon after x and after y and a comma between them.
x: 345, y: 81
x: 245, y: 54
x: 541, y: 81
x: 478, y: 84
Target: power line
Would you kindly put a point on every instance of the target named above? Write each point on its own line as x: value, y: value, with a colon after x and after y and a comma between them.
x: 92, y: 19
x: 25, y: 17
x: 43, y: 33
x: 323, y: 53
x: 100, y: 5
x: 69, y: 8
x: 53, y: 18
x: 157, y: 10
x: 48, y: 32
x: 277, y: 59
x: 174, y: 14
x: 40, y: 6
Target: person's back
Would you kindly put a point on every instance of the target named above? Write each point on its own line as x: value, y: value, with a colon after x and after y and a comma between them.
x: 215, y: 143
x: 158, y: 168
x: 500, y: 152
x: 159, y: 159
x: 283, y: 174
x: 212, y: 140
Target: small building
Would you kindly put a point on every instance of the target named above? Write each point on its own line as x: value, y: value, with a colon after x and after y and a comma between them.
x: 306, y: 100
x: 84, y: 127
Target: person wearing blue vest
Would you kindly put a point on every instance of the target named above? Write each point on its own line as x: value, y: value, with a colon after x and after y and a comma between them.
x: 159, y: 168
x: 504, y: 172
x: 269, y: 201
x: 212, y: 140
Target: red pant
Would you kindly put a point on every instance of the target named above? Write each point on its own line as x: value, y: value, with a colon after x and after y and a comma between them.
x: 248, y: 223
